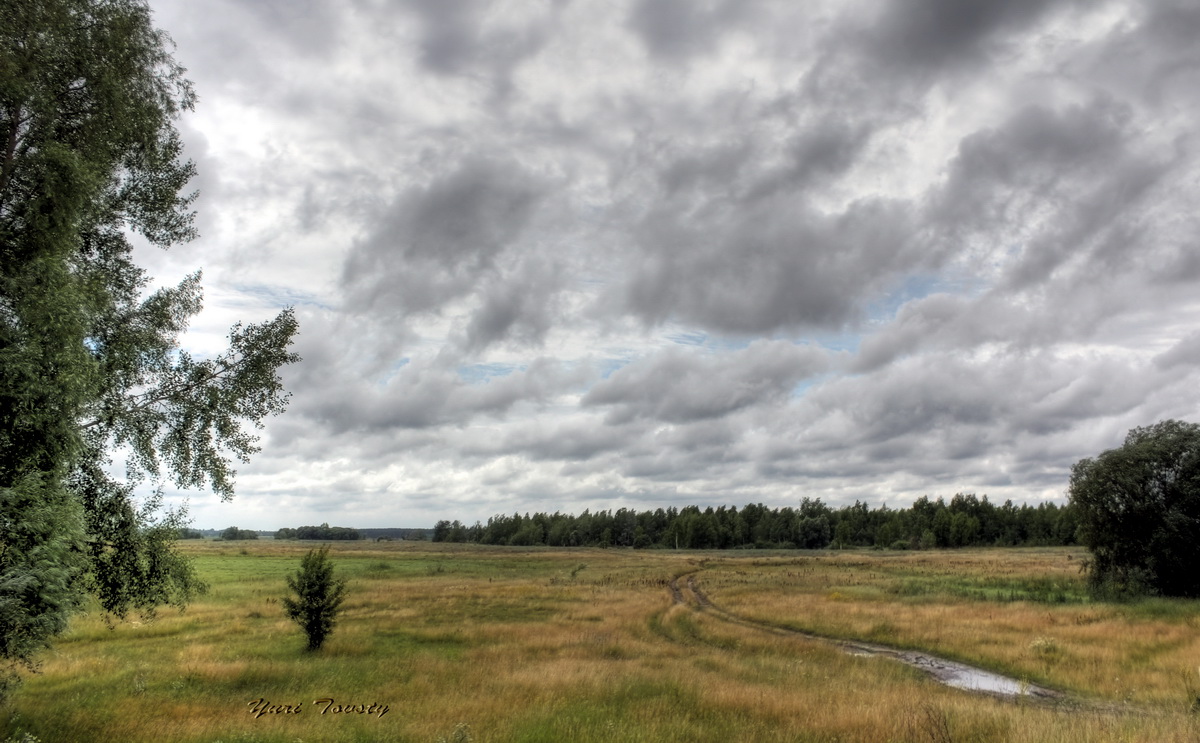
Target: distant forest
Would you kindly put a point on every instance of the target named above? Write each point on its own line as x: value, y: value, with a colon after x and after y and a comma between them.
x: 322, y: 532
x: 966, y: 521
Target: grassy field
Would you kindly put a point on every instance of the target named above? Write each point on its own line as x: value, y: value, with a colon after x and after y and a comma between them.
x: 464, y: 643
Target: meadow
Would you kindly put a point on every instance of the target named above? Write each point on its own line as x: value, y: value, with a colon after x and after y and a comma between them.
x: 443, y: 642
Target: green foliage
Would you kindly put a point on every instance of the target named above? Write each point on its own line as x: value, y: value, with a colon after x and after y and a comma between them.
x: 234, y: 534
x: 41, y: 566
x: 967, y: 521
x: 89, y: 363
x: 1139, y: 512
x: 325, y: 532
x: 318, y: 599
x: 133, y: 561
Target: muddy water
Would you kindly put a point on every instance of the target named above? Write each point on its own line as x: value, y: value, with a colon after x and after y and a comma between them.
x: 951, y: 673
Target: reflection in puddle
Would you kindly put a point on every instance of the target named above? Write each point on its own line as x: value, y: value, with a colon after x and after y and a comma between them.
x: 958, y: 675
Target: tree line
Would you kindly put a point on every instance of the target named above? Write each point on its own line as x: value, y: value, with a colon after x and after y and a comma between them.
x: 966, y: 521
x: 324, y: 532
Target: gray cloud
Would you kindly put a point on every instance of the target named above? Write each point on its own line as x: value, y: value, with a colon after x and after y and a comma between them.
x: 470, y: 38
x: 581, y: 254
x: 520, y: 306
x: 767, y: 266
x: 1048, y: 184
x: 1184, y: 354
x: 935, y: 33
x: 308, y: 27
x: 435, y: 242
x: 948, y: 418
x: 450, y: 34
x: 678, y: 387
x: 675, y: 29
x: 572, y: 440
x: 427, y: 393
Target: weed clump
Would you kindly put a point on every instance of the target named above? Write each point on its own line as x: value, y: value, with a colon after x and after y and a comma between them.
x: 460, y: 734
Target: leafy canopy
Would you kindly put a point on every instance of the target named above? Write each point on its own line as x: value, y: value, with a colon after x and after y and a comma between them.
x: 89, y: 360
x: 1139, y: 512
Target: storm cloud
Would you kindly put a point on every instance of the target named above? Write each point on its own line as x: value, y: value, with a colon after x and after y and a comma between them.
x: 579, y: 254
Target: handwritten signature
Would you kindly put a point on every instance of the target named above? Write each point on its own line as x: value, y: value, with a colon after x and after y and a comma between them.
x: 327, y: 705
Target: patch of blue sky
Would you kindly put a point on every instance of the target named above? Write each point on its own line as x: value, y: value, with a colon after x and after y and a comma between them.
x: 916, y: 286
x: 919, y: 286
x: 801, y: 388
x: 280, y: 296
x: 609, y: 366
x: 484, y: 373
x: 386, y: 378
x: 884, y: 309
x: 846, y: 342
x: 699, y: 339
x: 694, y: 338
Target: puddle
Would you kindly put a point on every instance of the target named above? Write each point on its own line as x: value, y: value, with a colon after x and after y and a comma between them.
x: 951, y: 673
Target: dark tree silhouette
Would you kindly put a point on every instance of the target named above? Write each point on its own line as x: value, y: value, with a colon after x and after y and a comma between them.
x: 1139, y: 512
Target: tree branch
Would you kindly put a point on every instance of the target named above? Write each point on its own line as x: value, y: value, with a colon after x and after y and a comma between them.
x: 10, y: 147
x: 170, y: 392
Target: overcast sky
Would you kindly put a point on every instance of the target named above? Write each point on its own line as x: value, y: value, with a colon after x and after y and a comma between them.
x: 550, y: 255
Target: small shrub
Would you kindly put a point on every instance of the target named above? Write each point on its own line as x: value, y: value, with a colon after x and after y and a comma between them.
x: 318, y: 597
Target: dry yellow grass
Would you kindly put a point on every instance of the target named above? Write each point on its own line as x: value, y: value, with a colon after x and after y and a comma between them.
x: 1127, y: 653
x: 581, y: 645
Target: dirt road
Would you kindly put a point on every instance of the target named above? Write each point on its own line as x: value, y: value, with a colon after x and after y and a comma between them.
x: 684, y: 590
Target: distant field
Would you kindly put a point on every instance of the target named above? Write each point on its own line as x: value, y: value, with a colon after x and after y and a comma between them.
x: 469, y: 643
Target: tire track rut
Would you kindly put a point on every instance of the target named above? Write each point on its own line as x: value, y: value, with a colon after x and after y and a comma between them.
x: 952, y: 673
